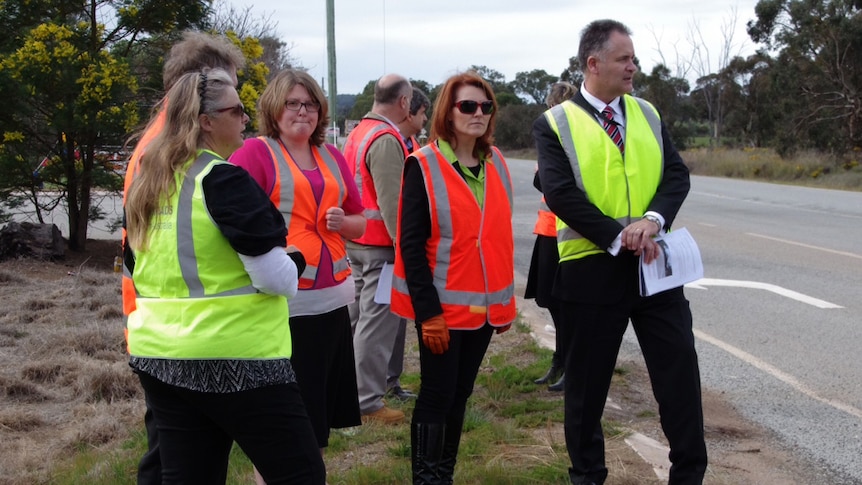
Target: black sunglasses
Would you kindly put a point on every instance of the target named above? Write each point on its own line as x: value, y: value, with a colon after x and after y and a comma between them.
x: 469, y: 107
x: 237, y: 110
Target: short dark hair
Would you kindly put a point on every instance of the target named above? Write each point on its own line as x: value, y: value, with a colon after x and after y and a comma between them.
x: 594, y: 38
x: 418, y: 100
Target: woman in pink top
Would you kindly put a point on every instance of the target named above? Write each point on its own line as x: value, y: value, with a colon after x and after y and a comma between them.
x: 310, y: 183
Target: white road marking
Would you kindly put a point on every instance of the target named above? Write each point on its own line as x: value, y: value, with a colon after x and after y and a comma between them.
x: 808, y: 246
x: 777, y: 373
x: 702, y: 283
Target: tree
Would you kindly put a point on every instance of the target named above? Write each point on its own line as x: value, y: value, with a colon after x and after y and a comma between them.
x: 573, y: 74
x: 246, y: 25
x: 534, y: 84
x: 822, y: 40
x: 74, y: 68
x: 503, y: 91
x: 364, y: 101
x: 668, y: 95
x: 710, y: 85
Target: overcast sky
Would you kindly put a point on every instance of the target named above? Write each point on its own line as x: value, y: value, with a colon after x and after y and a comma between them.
x: 431, y: 40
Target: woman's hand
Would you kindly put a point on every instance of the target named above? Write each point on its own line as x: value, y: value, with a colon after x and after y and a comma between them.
x: 334, y: 218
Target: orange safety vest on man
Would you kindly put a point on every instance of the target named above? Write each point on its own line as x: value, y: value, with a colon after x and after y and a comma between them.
x: 306, y: 228
x: 546, y: 224
x: 471, y: 248
x: 355, y: 150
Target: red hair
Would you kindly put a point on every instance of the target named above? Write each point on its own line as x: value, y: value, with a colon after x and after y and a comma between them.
x: 441, y: 126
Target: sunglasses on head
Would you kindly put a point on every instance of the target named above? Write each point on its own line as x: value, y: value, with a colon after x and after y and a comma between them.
x: 237, y: 110
x: 470, y: 107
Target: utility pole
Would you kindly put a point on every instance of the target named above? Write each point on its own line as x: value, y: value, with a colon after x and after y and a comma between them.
x: 330, y: 51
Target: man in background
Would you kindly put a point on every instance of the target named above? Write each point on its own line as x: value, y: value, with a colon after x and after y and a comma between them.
x: 410, y: 129
x: 375, y: 150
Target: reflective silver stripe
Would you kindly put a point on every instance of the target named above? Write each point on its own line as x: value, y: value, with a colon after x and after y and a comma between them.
x: 498, y: 161
x: 564, y: 133
x: 340, y: 265
x: 285, y: 184
x: 569, y: 234
x: 359, y: 162
x: 185, y: 233
x: 310, y: 273
x: 373, y: 214
x: 655, y: 125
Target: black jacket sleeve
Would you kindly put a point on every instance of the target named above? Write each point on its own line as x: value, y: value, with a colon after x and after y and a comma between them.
x: 415, y: 229
x: 242, y: 211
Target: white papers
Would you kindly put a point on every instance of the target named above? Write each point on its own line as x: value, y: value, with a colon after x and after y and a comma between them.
x: 678, y: 263
x: 383, y: 295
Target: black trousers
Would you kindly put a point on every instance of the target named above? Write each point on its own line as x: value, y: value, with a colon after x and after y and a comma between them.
x: 196, y: 431
x: 448, y: 378
x: 593, y: 334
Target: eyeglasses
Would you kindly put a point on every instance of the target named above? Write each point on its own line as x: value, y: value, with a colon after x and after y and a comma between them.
x: 470, y: 107
x: 238, y: 110
x: 294, y: 105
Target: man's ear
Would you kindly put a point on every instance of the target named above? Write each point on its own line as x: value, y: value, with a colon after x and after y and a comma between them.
x: 592, y: 61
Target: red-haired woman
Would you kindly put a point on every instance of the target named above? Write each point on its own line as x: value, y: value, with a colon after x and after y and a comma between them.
x: 453, y: 264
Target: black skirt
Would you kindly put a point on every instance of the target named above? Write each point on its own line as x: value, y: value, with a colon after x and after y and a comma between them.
x: 543, y: 267
x: 326, y: 371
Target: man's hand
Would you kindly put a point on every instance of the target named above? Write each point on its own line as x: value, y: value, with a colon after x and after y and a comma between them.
x: 435, y: 334
x: 637, y: 237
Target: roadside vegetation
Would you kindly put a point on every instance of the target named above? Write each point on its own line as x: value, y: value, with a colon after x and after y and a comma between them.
x: 806, y: 168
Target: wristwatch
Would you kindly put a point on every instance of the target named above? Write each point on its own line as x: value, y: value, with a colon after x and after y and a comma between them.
x: 654, y: 220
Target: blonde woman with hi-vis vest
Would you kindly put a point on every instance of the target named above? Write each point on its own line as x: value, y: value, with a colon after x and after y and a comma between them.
x: 454, y: 268
x: 209, y: 336
x: 310, y: 184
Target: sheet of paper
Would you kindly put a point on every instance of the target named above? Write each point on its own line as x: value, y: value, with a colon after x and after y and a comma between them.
x: 678, y: 263
x: 383, y: 295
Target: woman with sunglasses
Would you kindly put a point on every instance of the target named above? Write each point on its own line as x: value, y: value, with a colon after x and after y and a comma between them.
x: 209, y: 336
x: 454, y: 264
x: 310, y: 184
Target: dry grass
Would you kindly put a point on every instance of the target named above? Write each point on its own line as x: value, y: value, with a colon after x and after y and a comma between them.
x: 65, y: 384
x: 806, y: 168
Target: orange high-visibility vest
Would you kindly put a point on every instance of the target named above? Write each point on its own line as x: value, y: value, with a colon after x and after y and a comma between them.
x: 304, y: 217
x: 546, y: 224
x: 471, y: 248
x: 355, y: 150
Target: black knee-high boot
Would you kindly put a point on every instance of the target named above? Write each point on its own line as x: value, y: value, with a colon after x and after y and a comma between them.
x: 451, y: 440
x: 426, y: 446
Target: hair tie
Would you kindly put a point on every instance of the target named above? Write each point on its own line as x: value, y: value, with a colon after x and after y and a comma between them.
x: 202, y: 86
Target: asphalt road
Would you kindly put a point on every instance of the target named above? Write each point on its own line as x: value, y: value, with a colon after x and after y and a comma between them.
x: 777, y: 313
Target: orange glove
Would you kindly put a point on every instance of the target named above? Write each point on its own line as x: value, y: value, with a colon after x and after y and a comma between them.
x: 504, y: 328
x: 435, y: 334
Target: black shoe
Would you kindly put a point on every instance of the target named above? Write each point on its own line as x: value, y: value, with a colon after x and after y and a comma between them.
x: 400, y: 394
x: 558, y: 386
x: 553, y: 373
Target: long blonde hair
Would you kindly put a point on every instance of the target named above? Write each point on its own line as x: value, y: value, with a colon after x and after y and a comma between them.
x: 170, y: 151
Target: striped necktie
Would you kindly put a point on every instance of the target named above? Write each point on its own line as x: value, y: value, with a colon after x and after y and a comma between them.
x: 613, y: 128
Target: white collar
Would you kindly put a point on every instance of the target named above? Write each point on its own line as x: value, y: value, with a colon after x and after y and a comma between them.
x: 600, y: 105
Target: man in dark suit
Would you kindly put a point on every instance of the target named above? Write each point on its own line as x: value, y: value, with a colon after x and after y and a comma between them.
x: 611, y: 174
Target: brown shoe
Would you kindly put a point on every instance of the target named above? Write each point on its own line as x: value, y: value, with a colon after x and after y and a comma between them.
x: 384, y: 415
